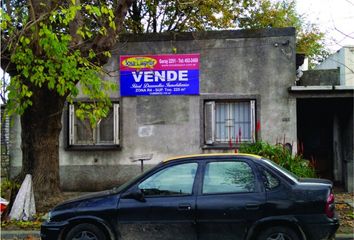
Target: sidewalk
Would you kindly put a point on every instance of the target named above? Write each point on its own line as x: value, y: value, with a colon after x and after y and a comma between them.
x: 34, y: 235
x: 19, y: 234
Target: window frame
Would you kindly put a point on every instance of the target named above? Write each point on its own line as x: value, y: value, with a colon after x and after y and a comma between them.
x: 211, y: 143
x: 70, y: 134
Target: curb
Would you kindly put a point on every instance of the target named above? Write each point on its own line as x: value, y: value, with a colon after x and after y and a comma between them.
x: 341, y: 236
x: 22, y: 234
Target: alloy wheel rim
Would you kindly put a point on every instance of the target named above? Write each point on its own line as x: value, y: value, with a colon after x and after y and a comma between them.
x: 85, y: 235
x: 278, y: 236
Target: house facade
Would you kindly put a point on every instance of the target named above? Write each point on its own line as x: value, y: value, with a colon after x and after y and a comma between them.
x: 178, y: 94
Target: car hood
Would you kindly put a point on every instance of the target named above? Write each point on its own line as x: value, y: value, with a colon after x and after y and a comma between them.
x: 89, y: 196
x: 88, y: 199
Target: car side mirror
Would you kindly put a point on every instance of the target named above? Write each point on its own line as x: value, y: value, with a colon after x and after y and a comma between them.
x: 136, y: 194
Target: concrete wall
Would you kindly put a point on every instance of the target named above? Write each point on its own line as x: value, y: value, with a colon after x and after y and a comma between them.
x: 326, y: 77
x: 348, y: 140
x: 239, y: 64
x: 343, y: 149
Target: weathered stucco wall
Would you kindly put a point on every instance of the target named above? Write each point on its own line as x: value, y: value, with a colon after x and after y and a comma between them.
x: 241, y: 64
x: 326, y: 77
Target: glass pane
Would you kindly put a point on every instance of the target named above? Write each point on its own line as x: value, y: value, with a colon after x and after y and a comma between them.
x: 236, y: 118
x: 233, y: 120
x: 106, y: 134
x: 102, y: 134
x: 221, y: 117
x: 242, y: 121
x: 84, y: 132
x: 228, y: 177
x: 174, y: 180
x: 271, y: 182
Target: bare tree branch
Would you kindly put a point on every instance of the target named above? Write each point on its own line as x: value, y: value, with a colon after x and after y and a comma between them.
x: 347, y: 35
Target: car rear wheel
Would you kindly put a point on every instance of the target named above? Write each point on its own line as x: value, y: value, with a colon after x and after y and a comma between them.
x: 85, y: 231
x: 278, y: 233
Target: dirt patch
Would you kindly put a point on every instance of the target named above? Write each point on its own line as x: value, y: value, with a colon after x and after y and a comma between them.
x: 345, y: 212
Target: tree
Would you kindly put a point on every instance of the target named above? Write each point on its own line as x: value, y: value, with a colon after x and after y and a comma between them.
x: 267, y: 13
x: 51, y: 49
x: 147, y: 16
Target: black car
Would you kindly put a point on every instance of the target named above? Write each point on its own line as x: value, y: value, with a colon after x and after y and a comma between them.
x: 206, y: 196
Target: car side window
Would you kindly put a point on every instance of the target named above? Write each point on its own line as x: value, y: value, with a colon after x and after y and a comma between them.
x: 174, y: 180
x: 228, y: 177
x: 270, y: 181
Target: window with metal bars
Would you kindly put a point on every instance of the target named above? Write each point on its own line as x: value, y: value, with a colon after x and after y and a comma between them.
x: 229, y: 121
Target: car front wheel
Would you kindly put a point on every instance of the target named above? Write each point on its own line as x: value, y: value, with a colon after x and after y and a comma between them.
x: 85, y: 231
x: 278, y: 233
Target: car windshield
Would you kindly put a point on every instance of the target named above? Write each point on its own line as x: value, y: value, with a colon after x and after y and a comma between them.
x: 124, y: 185
x: 287, y: 173
x: 129, y: 182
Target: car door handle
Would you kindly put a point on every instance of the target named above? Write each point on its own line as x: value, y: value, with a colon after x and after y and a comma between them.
x: 184, y: 207
x: 252, y: 206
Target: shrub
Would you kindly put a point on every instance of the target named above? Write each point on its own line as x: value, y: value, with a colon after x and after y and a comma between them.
x: 6, y: 187
x: 282, y: 156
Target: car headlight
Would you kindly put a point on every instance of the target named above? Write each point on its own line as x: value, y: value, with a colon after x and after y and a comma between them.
x: 47, y: 217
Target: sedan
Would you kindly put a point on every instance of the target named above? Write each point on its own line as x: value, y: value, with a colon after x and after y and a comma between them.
x: 204, y: 196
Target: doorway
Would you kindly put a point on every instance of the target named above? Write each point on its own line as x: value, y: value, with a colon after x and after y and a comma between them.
x: 315, y: 134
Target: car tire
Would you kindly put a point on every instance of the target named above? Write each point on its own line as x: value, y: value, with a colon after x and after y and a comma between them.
x: 278, y: 233
x: 85, y: 231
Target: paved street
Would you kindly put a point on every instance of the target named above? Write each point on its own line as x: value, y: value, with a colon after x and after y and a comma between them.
x: 34, y: 235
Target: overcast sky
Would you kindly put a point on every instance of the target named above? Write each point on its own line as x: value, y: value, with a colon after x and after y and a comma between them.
x: 335, y: 17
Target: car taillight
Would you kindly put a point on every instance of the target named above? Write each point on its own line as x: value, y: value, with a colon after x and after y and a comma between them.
x: 330, y: 206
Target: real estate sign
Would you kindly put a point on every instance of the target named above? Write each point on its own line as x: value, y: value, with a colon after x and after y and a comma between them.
x: 169, y: 74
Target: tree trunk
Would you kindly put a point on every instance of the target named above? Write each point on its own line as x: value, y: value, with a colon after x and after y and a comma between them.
x: 41, y: 126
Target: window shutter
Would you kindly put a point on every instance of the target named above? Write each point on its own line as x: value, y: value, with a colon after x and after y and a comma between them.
x: 71, y: 124
x: 116, y: 123
x: 209, y: 122
x: 253, y: 120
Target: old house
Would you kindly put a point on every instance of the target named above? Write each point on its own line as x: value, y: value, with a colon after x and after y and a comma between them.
x: 186, y: 93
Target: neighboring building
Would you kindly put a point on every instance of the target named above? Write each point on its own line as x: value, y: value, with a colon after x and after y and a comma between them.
x: 343, y: 60
x: 225, y: 87
x: 325, y: 113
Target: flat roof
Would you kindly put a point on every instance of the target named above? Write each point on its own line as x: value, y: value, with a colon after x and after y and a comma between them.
x: 203, y: 35
x: 336, y: 91
x: 320, y: 88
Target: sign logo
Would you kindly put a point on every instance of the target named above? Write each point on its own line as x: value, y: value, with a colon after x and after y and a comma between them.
x: 168, y: 74
x: 139, y: 62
